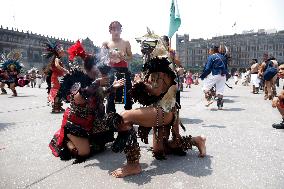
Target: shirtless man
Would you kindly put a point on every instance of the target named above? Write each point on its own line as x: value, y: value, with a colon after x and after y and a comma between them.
x: 254, y: 76
x: 119, y: 54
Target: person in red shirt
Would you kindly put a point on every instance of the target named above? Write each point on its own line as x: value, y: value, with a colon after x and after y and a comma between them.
x: 278, y: 102
x: 55, y: 52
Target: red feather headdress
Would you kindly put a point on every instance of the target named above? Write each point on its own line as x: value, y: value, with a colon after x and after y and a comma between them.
x: 77, y: 50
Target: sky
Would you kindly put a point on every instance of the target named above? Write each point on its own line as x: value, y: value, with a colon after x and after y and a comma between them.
x: 74, y: 20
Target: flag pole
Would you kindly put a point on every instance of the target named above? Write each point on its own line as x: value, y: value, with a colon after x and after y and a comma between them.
x: 170, y: 44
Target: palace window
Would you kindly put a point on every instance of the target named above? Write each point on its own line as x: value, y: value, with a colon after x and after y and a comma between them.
x: 6, y: 50
x: 24, y: 54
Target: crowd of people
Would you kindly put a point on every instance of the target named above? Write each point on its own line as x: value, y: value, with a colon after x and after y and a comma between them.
x: 264, y: 76
x: 88, y: 124
x: 12, y: 75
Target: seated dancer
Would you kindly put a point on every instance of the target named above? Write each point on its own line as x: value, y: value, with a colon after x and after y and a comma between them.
x: 84, y: 129
x: 278, y: 102
x: 11, y: 68
x: 156, y: 91
x: 55, y: 52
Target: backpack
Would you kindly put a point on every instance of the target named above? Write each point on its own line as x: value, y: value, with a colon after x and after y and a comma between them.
x: 220, y: 65
x: 270, y: 71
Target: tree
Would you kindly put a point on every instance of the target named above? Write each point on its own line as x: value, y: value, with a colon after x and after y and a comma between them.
x: 136, y: 64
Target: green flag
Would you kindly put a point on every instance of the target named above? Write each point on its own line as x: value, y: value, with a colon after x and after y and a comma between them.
x: 175, y: 20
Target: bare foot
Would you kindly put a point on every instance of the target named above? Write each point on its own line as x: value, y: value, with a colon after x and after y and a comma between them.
x: 129, y: 169
x: 200, y: 144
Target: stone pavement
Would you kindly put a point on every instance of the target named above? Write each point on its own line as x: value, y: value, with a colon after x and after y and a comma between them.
x: 243, y: 150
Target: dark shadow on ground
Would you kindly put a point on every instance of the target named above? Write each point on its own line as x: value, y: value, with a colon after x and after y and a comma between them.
x: 5, y: 125
x: 19, y: 96
x: 191, y: 165
x: 232, y: 96
x: 233, y: 109
x: 228, y: 100
x: 191, y: 121
x: 214, y: 109
x: 228, y: 109
x: 215, y: 126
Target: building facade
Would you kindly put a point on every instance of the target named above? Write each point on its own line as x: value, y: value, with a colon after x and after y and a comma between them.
x: 32, y: 46
x: 243, y: 47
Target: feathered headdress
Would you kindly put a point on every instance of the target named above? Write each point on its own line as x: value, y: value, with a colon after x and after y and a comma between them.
x: 139, y: 91
x: 52, y: 47
x: 159, y: 65
x: 15, y: 55
x: 12, y: 59
x: 89, y: 61
x: 68, y: 81
x: 78, y: 50
x: 152, y: 44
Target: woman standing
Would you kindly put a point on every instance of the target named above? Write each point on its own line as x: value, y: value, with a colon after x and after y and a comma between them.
x: 55, y: 52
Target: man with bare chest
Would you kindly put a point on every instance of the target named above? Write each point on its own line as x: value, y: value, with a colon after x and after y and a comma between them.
x: 119, y: 55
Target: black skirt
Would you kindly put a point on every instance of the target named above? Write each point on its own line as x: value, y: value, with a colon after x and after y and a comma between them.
x: 76, y: 130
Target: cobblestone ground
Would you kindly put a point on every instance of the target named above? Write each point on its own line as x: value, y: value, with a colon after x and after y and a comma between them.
x: 243, y: 150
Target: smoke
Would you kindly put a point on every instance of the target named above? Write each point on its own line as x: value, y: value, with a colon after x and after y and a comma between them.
x: 103, y: 61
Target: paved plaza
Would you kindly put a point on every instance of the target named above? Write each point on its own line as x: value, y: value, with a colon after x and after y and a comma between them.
x: 243, y: 150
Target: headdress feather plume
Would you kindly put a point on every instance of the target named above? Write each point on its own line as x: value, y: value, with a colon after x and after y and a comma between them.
x: 77, y: 50
x: 52, y: 47
x: 13, y: 58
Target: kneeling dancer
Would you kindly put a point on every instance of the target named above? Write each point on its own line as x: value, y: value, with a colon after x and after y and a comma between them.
x: 84, y: 129
x: 156, y: 91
